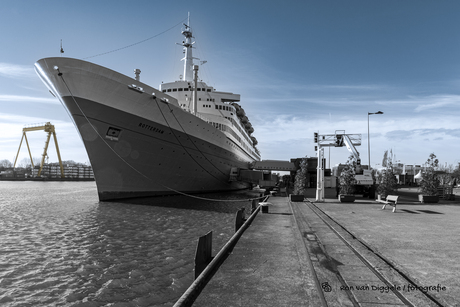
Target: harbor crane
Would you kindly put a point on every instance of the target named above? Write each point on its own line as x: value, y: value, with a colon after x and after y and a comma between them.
x: 47, y: 127
x: 338, y: 139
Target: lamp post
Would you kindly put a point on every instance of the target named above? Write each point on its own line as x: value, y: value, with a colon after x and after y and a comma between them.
x: 368, y: 137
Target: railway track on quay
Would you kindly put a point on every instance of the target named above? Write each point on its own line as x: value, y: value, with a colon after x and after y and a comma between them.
x: 350, y: 272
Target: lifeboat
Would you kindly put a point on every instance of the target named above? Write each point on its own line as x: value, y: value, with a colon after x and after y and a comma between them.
x: 254, y: 140
x: 244, y: 120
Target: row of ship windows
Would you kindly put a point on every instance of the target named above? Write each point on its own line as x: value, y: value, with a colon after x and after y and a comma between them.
x: 226, y: 128
x: 204, y: 106
x: 218, y: 107
x: 231, y: 109
x: 208, y: 99
x: 226, y: 108
x: 186, y: 90
x: 235, y: 124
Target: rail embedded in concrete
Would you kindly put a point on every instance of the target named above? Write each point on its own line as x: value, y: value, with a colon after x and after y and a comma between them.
x: 392, y: 276
x: 191, y: 294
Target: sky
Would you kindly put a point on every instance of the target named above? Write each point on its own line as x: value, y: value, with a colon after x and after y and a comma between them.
x: 300, y: 67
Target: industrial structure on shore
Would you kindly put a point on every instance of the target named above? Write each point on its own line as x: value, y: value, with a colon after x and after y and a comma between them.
x: 45, y: 171
x: 49, y: 171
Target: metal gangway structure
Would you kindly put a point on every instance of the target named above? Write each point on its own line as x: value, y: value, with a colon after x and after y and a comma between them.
x: 273, y: 165
x: 49, y: 128
x: 338, y: 139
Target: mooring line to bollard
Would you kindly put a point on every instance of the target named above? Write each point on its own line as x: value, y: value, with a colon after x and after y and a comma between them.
x: 191, y: 294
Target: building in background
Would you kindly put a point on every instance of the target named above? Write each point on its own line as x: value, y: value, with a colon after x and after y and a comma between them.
x: 50, y: 171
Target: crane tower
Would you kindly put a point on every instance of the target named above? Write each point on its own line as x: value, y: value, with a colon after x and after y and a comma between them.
x: 50, y: 130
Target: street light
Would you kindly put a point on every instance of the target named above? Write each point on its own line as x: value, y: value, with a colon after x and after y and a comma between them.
x: 368, y: 138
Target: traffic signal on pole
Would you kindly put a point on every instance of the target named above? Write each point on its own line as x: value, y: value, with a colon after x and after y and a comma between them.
x: 339, y: 140
x: 316, y: 137
x: 316, y: 148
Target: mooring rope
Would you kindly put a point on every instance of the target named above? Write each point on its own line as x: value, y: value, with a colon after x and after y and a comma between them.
x: 190, y: 139
x: 177, y: 139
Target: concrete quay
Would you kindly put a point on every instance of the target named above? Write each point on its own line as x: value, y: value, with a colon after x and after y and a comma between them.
x: 267, y: 267
x: 290, y: 257
x: 420, y: 240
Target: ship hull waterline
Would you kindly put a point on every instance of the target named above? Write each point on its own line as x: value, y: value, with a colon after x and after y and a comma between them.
x: 143, y: 163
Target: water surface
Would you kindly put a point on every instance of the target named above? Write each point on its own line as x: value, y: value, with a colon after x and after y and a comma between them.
x: 61, y: 247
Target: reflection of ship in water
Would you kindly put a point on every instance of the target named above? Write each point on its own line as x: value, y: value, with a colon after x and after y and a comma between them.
x: 185, y: 137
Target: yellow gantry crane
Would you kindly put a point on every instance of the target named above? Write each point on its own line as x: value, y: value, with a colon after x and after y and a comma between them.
x: 47, y: 128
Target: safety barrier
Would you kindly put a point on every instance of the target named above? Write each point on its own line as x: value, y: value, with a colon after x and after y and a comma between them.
x: 203, y: 255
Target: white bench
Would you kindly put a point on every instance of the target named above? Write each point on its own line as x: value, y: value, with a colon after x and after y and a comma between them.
x: 391, y: 200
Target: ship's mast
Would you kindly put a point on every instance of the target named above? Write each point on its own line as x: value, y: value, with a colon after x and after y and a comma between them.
x: 187, y: 44
x: 195, y: 99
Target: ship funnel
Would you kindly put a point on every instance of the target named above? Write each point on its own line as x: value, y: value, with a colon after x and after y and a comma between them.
x: 137, y: 72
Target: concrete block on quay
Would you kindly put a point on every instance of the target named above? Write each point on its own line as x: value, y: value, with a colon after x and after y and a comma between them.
x: 264, y: 206
x: 296, y: 198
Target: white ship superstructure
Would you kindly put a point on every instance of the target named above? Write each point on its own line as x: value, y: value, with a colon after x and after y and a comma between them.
x: 185, y: 137
x: 219, y: 109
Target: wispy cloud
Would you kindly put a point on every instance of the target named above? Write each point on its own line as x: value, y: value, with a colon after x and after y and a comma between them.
x: 285, y: 127
x: 424, y: 103
x: 19, y: 98
x: 436, y: 133
x: 413, y: 138
x: 351, y: 87
x: 295, y: 87
x: 16, y: 71
x: 437, y: 101
x: 9, y: 119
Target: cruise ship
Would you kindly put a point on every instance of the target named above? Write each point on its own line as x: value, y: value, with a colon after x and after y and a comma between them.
x: 183, y: 138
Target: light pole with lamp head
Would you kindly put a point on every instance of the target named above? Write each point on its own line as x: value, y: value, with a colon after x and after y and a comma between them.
x: 368, y: 137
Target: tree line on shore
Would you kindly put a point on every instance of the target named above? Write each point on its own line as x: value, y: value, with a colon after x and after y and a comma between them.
x: 25, y: 163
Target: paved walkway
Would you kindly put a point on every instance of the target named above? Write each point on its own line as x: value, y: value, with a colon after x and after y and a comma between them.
x: 271, y: 264
x: 268, y: 266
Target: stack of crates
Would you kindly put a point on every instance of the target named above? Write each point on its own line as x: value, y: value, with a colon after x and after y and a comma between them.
x: 46, y: 171
x: 55, y: 171
x: 70, y: 171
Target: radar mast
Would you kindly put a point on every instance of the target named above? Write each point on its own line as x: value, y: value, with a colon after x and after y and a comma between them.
x: 187, y: 44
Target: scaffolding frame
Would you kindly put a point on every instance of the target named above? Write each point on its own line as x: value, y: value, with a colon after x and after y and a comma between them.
x: 47, y: 127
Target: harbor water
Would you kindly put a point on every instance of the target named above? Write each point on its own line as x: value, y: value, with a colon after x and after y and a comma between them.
x: 60, y: 246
